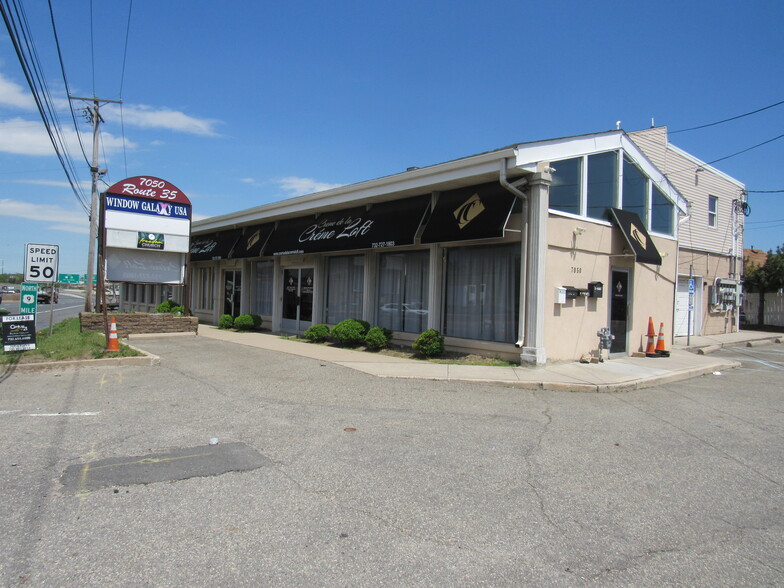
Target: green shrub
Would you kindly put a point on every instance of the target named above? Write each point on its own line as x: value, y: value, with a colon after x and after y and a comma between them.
x: 178, y: 310
x: 348, y: 332
x: 244, y: 322
x: 164, y: 306
x: 4, y: 311
x: 256, y: 321
x: 317, y: 333
x: 226, y: 321
x: 365, y: 326
x: 378, y: 338
x: 430, y: 343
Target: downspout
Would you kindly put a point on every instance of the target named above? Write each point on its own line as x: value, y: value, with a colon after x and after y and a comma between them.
x: 524, y: 250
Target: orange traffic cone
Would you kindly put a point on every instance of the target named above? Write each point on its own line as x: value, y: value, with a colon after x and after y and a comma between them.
x: 114, y: 343
x: 660, y: 349
x: 650, y: 349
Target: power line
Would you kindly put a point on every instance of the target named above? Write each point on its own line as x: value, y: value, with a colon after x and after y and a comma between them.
x: 765, y: 191
x: 749, y: 149
x: 728, y: 119
x: 18, y: 30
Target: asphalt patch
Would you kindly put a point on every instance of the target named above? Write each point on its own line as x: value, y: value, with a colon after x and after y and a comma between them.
x: 177, y: 464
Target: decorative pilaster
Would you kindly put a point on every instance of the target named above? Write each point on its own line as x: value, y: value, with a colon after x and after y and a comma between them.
x: 533, y: 350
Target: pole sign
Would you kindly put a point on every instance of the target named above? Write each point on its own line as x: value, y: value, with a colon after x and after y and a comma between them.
x: 18, y: 332
x: 28, y: 299
x: 41, y: 262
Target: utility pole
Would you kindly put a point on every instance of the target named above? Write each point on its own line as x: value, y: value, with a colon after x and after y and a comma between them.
x: 95, y: 118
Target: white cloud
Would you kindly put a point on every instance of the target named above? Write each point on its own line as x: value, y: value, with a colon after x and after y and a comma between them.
x: 150, y: 117
x: 86, y: 184
x: 65, y: 219
x: 300, y: 186
x: 12, y: 94
x: 24, y: 137
x: 248, y: 180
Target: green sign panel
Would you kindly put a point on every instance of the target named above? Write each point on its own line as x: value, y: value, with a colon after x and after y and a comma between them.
x: 28, y: 298
x: 70, y: 279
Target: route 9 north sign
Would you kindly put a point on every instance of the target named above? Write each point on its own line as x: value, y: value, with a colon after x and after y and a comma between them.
x: 41, y: 262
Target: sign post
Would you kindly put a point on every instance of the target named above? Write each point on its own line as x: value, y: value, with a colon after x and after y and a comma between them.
x: 41, y: 264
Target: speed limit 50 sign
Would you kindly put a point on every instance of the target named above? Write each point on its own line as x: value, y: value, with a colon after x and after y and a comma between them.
x: 41, y: 262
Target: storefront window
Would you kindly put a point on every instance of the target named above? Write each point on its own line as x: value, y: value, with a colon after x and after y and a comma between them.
x: 204, y: 286
x: 565, y: 188
x: 662, y: 214
x: 635, y: 190
x: 345, y: 287
x: 482, y: 293
x: 602, y: 183
x: 264, y: 276
x: 402, y: 291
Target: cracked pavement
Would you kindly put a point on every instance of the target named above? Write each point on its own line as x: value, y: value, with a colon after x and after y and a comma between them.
x: 390, y: 482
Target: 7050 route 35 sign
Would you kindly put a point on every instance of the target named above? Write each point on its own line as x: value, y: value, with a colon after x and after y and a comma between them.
x: 41, y: 262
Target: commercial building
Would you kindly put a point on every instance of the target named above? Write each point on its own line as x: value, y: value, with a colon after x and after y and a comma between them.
x: 524, y: 252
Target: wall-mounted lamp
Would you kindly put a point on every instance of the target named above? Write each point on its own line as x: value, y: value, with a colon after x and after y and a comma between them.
x: 578, y: 231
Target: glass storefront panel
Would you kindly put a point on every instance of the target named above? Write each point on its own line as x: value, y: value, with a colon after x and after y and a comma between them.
x: 565, y: 189
x: 403, y: 280
x: 345, y: 288
x: 482, y: 293
x: 602, y: 182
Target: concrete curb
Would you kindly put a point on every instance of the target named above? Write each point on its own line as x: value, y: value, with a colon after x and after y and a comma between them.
x: 761, y: 342
x: 146, y: 359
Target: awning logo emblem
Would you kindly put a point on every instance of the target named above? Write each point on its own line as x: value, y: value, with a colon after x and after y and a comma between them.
x: 468, y: 211
x: 638, y: 236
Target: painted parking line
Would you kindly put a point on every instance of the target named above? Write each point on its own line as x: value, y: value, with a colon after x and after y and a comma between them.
x: 9, y: 411
x: 56, y: 414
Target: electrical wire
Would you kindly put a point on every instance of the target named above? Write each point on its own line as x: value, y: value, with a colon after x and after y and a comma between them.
x: 65, y: 80
x: 16, y: 23
x: 728, y: 119
x: 122, y: 82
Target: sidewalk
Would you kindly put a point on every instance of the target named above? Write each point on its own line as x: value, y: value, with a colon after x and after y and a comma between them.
x: 613, y: 375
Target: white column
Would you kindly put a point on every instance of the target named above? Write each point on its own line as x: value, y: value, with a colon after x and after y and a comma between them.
x: 533, y: 350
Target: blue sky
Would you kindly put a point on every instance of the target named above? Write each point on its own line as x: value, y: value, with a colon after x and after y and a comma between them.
x: 243, y: 103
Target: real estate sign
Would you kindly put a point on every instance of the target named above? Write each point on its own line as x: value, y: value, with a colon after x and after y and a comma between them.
x: 147, y: 224
x: 18, y: 332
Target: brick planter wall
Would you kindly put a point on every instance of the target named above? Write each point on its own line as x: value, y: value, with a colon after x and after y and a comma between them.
x: 140, y: 323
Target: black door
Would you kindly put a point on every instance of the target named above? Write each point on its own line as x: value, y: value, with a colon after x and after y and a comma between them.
x: 619, y: 310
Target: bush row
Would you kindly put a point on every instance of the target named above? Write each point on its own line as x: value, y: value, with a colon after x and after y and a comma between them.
x: 354, y: 332
x: 244, y: 322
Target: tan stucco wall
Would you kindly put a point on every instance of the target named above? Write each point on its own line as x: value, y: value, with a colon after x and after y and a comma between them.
x: 577, y: 259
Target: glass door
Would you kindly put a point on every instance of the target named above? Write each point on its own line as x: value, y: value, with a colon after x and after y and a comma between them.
x: 297, y: 299
x: 232, y: 288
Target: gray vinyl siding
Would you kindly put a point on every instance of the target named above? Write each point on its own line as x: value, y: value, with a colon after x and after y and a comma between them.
x: 696, y: 187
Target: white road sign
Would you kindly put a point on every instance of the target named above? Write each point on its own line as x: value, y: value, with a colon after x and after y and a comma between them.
x: 41, y: 262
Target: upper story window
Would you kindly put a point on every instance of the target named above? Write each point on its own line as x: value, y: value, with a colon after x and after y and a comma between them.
x: 713, y: 211
x: 589, y: 186
x: 565, y: 189
x: 602, y: 184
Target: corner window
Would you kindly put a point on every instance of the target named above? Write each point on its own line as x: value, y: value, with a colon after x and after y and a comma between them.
x: 635, y: 190
x: 713, y: 211
x: 565, y: 188
x: 662, y: 214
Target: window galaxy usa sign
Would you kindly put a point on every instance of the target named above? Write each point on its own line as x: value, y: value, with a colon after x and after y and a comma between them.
x: 153, y: 218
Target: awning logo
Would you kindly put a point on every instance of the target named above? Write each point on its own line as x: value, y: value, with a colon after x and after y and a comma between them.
x: 468, y: 211
x: 638, y: 236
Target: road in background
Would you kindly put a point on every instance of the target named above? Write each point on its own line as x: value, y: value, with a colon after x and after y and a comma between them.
x: 70, y: 305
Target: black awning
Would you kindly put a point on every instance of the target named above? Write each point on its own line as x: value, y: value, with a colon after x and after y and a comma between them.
x: 389, y: 224
x: 252, y: 241
x: 477, y: 212
x: 639, y: 240
x: 214, y: 245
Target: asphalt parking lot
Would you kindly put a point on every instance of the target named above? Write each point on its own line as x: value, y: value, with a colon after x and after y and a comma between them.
x: 320, y: 475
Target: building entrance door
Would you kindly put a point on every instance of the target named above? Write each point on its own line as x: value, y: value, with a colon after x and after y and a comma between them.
x: 619, y: 310
x: 297, y: 299
x: 232, y: 289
